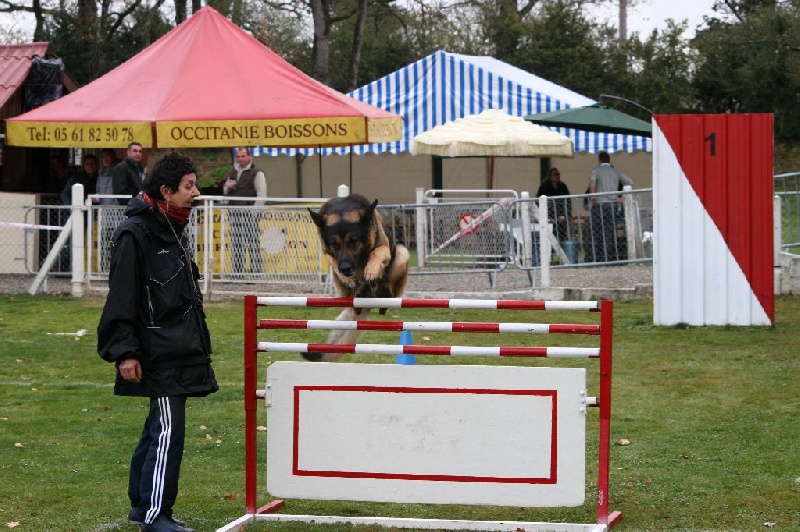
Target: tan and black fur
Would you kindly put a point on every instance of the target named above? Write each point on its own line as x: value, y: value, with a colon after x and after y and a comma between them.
x: 364, y: 260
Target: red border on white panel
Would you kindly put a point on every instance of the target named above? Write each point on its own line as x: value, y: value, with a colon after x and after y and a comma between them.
x: 300, y: 391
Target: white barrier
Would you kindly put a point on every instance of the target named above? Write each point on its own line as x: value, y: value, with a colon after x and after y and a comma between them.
x: 502, y: 435
x: 482, y: 435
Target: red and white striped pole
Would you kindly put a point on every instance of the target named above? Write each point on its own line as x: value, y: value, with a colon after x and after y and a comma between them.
x: 405, y: 339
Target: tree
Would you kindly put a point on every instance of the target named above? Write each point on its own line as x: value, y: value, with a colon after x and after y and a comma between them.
x: 91, y: 44
x: 325, y: 16
x: 386, y: 44
x: 749, y: 62
x: 663, y: 67
x: 180, y: 11
x: 563, y: 46
x: 503, y: 24
x: 358, y: 44
x: 15, y: 7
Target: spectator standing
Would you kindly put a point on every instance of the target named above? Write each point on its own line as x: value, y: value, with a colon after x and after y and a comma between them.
x: 105, y: 183
x: 108, y: 217
x: 59, y: 174
x: 153, y: 328
x: 128, y: 175
x: 245, y: 181
x: 59, y: 178
x: 603, y: 246
x: 558, y: 210
x: 86, y: 177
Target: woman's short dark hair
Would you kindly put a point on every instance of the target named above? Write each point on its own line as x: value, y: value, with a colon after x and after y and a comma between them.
x: 169, y: 170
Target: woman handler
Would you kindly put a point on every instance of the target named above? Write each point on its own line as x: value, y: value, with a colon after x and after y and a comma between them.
x: 153, y: 328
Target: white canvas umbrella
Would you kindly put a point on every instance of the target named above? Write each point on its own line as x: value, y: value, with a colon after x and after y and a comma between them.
x: 492, y: 133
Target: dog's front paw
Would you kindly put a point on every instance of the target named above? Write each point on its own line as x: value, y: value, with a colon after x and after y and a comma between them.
x: 373, y: 272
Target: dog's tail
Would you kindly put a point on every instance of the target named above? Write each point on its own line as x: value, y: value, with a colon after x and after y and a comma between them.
x: 347, y: 336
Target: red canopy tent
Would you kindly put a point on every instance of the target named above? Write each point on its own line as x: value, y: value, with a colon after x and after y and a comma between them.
x: 206, y: 83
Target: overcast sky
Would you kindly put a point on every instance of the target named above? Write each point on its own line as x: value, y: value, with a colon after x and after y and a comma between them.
x: 643, y: 16
x: 646, y: 15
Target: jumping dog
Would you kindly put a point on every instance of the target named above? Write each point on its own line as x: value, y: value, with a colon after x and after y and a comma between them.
x: 364, y: 260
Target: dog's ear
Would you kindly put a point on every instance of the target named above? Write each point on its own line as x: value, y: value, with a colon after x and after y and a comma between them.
x: 319, y: 219
x: 369, y: 211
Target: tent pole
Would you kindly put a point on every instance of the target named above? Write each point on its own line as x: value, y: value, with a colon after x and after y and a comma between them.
x: 437, y: 181
x: 298, y: 173
x: 351, y: 169
x: 319, y: 154
x: 544, y: 168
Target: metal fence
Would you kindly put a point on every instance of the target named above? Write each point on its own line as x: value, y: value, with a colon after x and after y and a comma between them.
x: 234, y: 244
x: 447, y: 232
x: 36, y: 249
x: 787, y: 189
x: 498, y: 232
x: 466, y: 235
x: 238, y: 245
x: 101, y: 222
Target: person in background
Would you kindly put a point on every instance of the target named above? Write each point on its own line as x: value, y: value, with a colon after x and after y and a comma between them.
x: 109, y: 218
x: 86, y: 177
x: 59, y: 179
x: 153, y: 329
x: 59, y: 174
x: 558, y: 210
x: 105, y: 183
x: 602, y: 219
x: 248, y: 181
x: 128, y: 175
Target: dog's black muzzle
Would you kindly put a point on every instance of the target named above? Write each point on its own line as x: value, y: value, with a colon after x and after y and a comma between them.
x: 347, y: 267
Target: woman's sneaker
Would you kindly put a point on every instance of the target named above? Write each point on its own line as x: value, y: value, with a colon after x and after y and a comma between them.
x: 165, y: 523
x: 136, y: 518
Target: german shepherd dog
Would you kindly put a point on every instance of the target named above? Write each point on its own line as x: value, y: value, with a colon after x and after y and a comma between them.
x: 364, y: 260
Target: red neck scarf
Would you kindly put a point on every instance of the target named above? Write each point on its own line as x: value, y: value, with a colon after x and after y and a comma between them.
x: 180, y: 215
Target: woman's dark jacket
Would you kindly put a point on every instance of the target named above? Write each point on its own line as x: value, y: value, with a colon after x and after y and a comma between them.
x: 154, y: 310
x: 559, y: 207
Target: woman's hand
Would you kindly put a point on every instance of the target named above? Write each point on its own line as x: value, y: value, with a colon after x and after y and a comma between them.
x: 131, y: 370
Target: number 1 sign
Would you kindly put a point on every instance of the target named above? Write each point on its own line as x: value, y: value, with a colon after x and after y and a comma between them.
x: 713, y: 239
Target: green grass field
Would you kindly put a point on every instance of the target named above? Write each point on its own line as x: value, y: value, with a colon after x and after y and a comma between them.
x: 711, y: 415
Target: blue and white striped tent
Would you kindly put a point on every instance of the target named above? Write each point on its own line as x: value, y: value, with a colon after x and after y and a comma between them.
x: 444, y: 86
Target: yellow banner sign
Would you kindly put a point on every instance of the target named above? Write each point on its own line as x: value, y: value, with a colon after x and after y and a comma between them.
x: 385, y: 129
x: 77, y: 134
x: 290, y: 133
x: 280, y: 133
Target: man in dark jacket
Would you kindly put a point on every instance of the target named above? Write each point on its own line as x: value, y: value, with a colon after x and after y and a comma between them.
x: 153, y: 329
x: 128, y: 176
x: 86, y: 177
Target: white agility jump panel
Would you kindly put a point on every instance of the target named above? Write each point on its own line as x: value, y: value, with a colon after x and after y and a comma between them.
x: 511, y: 436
